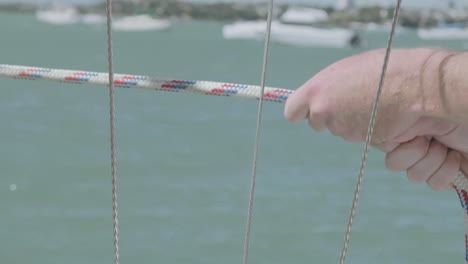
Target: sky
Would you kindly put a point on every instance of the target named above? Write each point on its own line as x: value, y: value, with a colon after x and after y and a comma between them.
x: 407, y: 3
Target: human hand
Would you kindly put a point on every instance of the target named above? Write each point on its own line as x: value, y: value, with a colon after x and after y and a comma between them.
x: 412, y: 125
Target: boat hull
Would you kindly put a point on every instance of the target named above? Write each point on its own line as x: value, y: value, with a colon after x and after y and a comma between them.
x: 297, y: 35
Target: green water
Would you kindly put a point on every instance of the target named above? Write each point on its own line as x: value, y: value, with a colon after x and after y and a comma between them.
x: 184, y: 161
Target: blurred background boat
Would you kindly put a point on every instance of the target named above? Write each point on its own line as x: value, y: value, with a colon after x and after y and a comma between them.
x: 59, y: 15
x: 141, y: 23
x: 297, y: 26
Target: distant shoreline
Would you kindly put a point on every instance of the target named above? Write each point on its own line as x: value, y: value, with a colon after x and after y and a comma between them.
x: 410, y: 18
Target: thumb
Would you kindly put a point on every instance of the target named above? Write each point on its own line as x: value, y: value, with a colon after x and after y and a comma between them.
x: 299, y: 107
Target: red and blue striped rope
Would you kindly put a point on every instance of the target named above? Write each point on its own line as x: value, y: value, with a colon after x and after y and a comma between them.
x: 144, y: 82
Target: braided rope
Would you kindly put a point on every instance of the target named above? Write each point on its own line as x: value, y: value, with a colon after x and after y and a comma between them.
x: 271, y: 94
x: 460, y: 184
x: 144, y: 82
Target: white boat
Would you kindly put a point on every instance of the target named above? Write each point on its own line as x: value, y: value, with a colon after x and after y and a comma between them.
x: 59, y: 15
x: 443, y: 33
x: 310, y: 36
x: 298, y: 35
x: 301, y: 15
x: 140, y: 23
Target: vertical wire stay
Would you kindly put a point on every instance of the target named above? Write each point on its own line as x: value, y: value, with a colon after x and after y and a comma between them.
x: 112, y: 132
x: 257, y: 133
x: 369, y: 134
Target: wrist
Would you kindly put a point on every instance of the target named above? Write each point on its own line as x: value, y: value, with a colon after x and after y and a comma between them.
x: 454, y: 86
x: 440, y: 75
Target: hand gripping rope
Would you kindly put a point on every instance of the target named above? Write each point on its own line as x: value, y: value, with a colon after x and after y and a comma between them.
x: 184, y: 86
x: 221, y: 89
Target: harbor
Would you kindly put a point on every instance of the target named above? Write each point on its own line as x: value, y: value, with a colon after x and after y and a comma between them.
x: 337, y: 25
